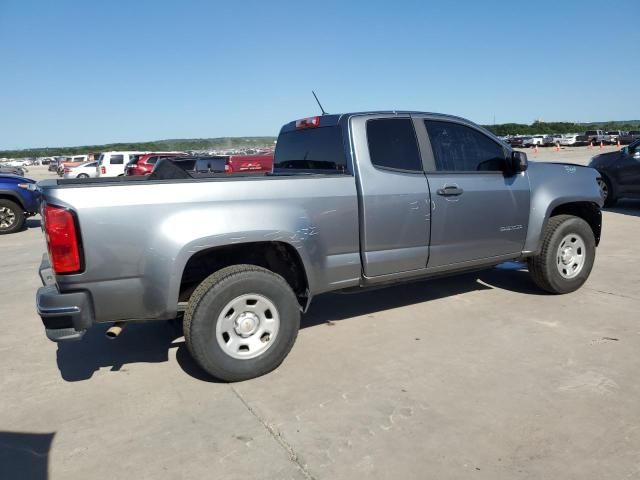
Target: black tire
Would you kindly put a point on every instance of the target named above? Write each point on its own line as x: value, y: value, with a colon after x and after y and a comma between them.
x: 82, y: 175
x: 543, y: 267
x: 16, y: 211
x: 206, y: 305
x: 610, y: 200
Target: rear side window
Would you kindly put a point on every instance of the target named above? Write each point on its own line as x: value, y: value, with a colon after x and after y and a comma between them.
x: 458, y: 148
x: 152, y: 160
x: 116, y: 159
x: 393, y: 144
x: 311, y: 149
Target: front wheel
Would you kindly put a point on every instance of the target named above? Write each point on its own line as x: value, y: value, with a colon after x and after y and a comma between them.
x: 566, y: 256
x: 83, y: 175
x: 241, y: 322
x: 11, y: 217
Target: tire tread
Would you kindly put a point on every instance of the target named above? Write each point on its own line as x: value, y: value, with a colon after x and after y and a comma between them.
x: 538, y: 266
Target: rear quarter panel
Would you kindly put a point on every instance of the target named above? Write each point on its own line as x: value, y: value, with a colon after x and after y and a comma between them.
x: 138, y: 238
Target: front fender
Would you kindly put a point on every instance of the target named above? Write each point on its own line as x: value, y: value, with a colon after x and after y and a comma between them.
x: 552, y: 186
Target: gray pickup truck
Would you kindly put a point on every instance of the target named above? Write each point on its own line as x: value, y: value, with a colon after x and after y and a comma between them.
x: 355, y: 200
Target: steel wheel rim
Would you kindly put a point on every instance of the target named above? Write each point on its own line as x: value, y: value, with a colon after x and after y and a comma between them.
x: 7, y: 217
x: 247, y: 326
x: 571, y: 256
x: 604, y: 188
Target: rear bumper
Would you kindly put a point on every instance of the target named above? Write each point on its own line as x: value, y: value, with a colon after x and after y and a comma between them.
x: 66, y: 316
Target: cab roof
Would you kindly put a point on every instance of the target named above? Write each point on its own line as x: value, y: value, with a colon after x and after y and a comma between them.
x: 329, y: 120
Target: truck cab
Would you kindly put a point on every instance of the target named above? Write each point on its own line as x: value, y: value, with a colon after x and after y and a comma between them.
x: 461, y: 200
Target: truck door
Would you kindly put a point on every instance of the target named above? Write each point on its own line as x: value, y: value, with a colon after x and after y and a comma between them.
x: 479, y: 211
x: 393, y: 195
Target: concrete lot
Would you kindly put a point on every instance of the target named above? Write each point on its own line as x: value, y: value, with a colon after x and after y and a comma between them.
x: 480, y: 376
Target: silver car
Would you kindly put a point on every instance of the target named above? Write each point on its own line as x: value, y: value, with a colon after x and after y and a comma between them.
x: 86, y: 170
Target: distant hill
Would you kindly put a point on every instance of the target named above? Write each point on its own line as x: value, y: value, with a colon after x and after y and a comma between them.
x: 158, y: 145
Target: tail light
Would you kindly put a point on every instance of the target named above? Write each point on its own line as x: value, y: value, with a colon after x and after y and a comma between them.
x: 62, y: 240
x: 67, y: 169
x: 103, y: 170
x: 311, y: 122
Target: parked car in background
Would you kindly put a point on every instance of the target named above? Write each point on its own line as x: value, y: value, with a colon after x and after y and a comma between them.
x: 20, y: 171
x: 143, y: 164
x: 189, y: 167
x: 550, y: 140
x: 19, y: 199
x: 517, y: 141
x: 620, y: 173
x: 84, y: 170
x: 249, y: 163
x: 53, y: 165
x: 112, y: 164
x: 15, y: 163
x: 629, y: 137
x: 591, y: 136
x: 72, y: 162
x: 534, y: 140
x: 220, y: 163
x: 611, y: 137
x: 568, y: 139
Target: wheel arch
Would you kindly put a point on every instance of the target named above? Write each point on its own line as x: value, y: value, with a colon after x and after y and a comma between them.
x: 12, y: 196
x: 279, y: 257
x: 590, y: 212
x: 610, y: 180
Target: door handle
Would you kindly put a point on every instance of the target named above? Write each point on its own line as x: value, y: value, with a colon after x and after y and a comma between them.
x: 450, y: 191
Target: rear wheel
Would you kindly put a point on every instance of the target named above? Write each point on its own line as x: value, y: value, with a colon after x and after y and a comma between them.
x: 241, y: 322
x: 11, y: 217
x: 566, y: 257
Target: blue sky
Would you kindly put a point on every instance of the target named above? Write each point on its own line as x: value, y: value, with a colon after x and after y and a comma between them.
x: 87, y: 72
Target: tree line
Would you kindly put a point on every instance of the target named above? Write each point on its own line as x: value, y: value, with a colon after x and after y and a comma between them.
x: 178, y: 145
x: 558, y: 127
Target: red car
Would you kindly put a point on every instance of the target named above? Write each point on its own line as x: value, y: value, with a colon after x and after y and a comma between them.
x: 143, y: 164
x: 249, y: 163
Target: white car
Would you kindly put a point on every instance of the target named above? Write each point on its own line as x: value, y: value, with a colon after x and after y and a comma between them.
x: 16, y: 163
x: 569, y: 139
x: 86, y: 170
x: 535, y: 140
x: 112, y: 164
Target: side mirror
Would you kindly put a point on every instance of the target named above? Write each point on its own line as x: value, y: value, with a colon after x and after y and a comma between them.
x: 519, y: 162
